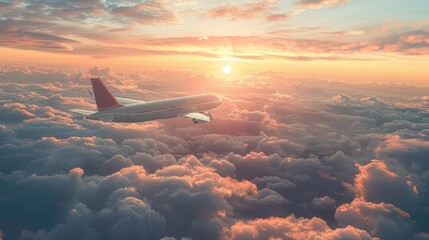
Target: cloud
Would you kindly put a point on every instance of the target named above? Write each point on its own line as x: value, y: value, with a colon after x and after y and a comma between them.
x: 50, y: 26
x: 380, y: 220
x: 49, y: 36
x: 410, y: 152
x: 349, y: 33
x: 410, y: 43
x: 96, y: 29
x: 151, y: 12
x: 314, y: 4
x: 276, y: 17
x: 303, y: 49
x: 6, y: 132
x: 5, y: 6
x: 292, y: 228
x: 14, y: 112
x: 324, y: 202
x: 78, y: 10
x: 375, y: 176
x: 246, y: 11
x: 147, y: 12
x: 291, y: 158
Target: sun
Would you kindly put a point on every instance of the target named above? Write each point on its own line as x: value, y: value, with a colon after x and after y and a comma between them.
x: 227, y: 69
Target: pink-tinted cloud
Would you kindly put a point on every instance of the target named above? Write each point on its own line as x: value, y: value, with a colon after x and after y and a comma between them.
x: 292, y: 228
x: 58, y: 40
x: 147, y: 12
x: 313, y: 4
x: 5, y: 6
x: 410, y: 152
x: 15, y: 35
x: 276, y: 17
x: 376, y: 176
x: 246, y: 11
x: 347, y: 33
x: 150, y: 12
x: 380, y: 220
x: 263, y: 47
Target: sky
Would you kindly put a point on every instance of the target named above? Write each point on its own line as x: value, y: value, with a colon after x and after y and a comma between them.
x: 323, y: 130
x: 359, y: 40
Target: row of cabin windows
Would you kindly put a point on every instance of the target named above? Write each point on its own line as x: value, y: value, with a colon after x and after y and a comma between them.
x: 160, y: 109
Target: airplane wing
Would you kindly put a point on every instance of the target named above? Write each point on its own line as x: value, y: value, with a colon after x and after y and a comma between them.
x: 106, y: 117
x: 127, y: 101
x: 83, y: 112
x: 199, y: 117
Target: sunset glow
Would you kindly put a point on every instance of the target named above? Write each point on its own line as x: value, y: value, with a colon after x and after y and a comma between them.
x: 383, y: 41
x: 214, y: 119
x: 227, y: 69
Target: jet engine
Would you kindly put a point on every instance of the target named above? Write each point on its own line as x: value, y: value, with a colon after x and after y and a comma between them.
x: 196, y: 121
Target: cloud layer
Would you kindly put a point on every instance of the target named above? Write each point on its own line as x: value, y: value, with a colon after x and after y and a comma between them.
x: 292, y: 158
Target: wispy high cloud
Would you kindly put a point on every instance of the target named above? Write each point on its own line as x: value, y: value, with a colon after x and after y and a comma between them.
x: 276, y: 17
x: 90, y: 12
x: 275, y: 45
x: 147, y: 12
x: 246, y: 11
x: 99, y: 29
x: 15, y: 34
x: 313, y: 4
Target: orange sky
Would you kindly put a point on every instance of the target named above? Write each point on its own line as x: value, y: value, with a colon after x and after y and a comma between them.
x: 341, y: 40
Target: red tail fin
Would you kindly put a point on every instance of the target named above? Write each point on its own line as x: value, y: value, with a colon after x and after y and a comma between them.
x: 103, y: 97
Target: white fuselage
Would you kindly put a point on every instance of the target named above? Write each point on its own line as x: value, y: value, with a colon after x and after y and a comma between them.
x: 162, y: 109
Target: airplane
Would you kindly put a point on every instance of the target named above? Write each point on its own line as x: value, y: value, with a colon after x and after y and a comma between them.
x: 115, y: 109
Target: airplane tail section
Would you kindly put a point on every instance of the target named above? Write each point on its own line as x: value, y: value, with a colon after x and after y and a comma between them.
x: 103, y: 97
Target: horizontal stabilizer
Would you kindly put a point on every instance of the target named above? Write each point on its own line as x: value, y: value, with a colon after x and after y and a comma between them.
x: 83, y: 112
x: 127, y: 101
